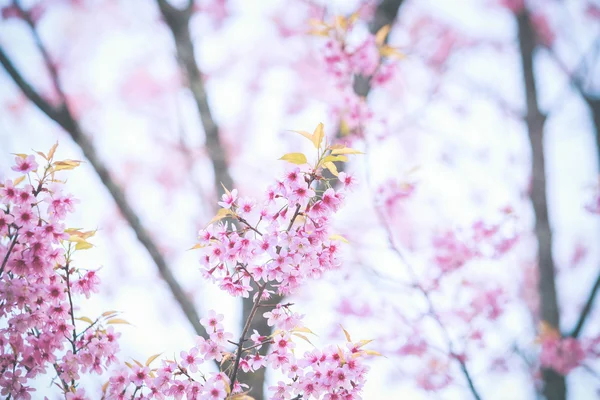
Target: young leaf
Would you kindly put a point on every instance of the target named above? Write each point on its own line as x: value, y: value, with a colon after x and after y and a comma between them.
x: 117, y: 321
x: 338, y: 237
x: 64, y: 165
x: 301, y: 336
x: 304, y: 329
x: 318, y: 135
x: 364, y: 342
x: 225, y: 189
x: 109, y: 313
x: 222, y: 213
x: 340, y: 158
x: 382, y: 34
x: 152, y: 358
x: 241, y: 396
x: 85, y: 319
x: 331, y: 167
x: 346, y: 333
x: 388, y: 51
x: 83, y: 245
x: 52, y: 150
x: 18, y: 180
x: 305, y: 134
x: 295, y: 158
x: 345, y: 150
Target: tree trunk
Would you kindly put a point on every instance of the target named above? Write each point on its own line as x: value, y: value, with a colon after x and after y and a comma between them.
x: 554, y: 383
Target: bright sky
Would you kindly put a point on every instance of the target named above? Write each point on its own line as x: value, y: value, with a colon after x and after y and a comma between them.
x: 472, y: 159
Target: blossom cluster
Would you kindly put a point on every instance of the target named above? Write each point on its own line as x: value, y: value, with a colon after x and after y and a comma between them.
x: 261, y: 248
x: 349, y: 53
x: 332, y: 373
x: 288, y: 242
x: 39, y: 285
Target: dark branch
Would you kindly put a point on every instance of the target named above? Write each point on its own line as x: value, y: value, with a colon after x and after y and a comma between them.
x: 585, y: 312
x: 178, y: 22
x: 62, y: 116
x: 554, y: 383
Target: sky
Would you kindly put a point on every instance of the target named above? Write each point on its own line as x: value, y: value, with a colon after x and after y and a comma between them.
x: 468, y: 156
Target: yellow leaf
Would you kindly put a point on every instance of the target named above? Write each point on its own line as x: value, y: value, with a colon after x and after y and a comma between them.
x: 241, y: 396
x: 317, y: 22
x: 305, y: 134
x: 318, y: 135
x: 320, y: 32
x: 295, y: 158
x: 83, y: 245
x: 18, y: 180
x: 128, y: 364
x: 303, y: 329
x: 65, y: 165
x: 109, y: 313
x: 340, y: 158
x: 226, y: 357
x: 341, y: 22
x: 152, y: 358
x: 85, y: 319
x: 20, y: 155
x: 105, y: 386
x: 346, y: 333
x: 52, y: 150
x: 373, y: 353
x: 197, y: 246
x: 225, y: 189
x: 301, y: 336
x: 138, y: 363
x: 331, y: 167
x: 88, y: 234
x: 364, y: 342
x: 222, y: 213
x: 117, y: 321
x: 42, y: 154
x: 353, y: 17
x: 388, y: 51
x: 547, y: 331
x: 338, y: 237
x: 345, y: 150
x: 227, y: 388
x: 341, y: 354
x: 382, y: 34
x: 344, y: 128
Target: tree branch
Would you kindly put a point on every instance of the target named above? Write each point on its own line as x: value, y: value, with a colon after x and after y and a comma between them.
x: 63, y: 117
x: 585, y: 312
x: 178, y: 22
x: 385, y: 14
x: 554, y: 383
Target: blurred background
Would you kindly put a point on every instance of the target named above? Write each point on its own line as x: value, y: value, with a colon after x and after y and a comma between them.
x: 473, y: 228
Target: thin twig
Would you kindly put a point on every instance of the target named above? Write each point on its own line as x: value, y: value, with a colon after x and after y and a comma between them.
x: 585, y: 312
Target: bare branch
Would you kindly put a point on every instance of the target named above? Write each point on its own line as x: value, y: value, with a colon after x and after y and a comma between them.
x: 178, y: 22
x: 585, y: 312
x: 554, y: 383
